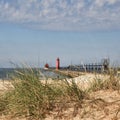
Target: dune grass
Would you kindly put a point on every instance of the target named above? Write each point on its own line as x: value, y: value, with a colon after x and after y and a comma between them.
x: 34, y: 99
x: 112, y: 82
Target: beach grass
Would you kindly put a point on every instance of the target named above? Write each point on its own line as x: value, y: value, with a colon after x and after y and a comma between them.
x: 34, y: 99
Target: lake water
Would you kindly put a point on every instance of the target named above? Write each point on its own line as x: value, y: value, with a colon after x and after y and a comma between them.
x: 6, y: 73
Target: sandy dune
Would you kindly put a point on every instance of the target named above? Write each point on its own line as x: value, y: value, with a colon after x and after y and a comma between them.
x: 104, y: 105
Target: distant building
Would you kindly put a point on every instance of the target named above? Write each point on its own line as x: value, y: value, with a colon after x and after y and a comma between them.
x: 105, y: 63
x: 46, y: 66
x: 93, y: 67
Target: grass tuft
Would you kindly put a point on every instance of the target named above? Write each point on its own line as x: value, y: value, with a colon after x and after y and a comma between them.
x: 112, y: 82
x: 30, y: 98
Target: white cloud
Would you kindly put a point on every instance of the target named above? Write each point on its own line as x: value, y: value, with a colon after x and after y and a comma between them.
x: 111, y: 1
x: 101, y: 3
x: 62, y: 14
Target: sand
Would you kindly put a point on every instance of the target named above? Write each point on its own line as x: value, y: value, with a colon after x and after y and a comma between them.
x: 5, y: 85
x: 83, y: 81
x: 104, y: 105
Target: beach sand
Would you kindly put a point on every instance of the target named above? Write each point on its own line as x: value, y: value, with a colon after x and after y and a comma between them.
x: 104, y: 105
x: 5, y: 85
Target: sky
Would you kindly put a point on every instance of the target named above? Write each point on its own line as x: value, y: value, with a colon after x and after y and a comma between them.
x: 36, y: 32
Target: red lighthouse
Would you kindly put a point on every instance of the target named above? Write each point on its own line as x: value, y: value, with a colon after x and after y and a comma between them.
x: 58, y: 63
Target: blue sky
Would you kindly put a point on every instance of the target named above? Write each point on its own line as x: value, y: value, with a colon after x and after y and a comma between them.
x: 39, y: 31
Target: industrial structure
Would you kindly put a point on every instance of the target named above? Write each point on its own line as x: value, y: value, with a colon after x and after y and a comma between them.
x: 90, y: 67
